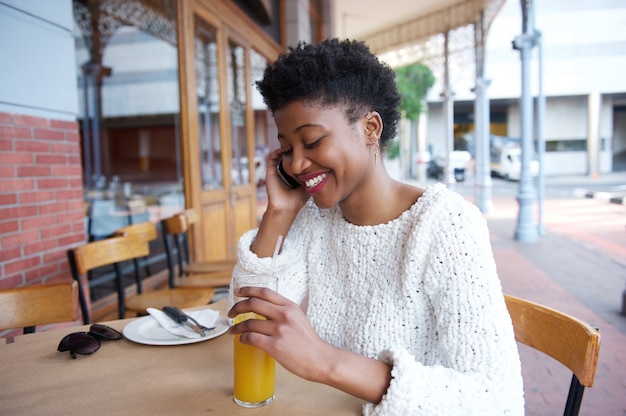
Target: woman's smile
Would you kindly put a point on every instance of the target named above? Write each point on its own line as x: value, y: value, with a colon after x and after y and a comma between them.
x: 316, y: 183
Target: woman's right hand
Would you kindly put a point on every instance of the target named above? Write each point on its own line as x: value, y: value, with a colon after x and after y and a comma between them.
x: 283, y: 205
x: 280, y: 196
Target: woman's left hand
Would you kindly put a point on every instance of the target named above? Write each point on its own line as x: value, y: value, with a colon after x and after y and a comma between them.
x: 286, y: 334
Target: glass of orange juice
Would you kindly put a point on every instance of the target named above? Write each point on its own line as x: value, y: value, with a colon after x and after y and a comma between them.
x: 254, y: 374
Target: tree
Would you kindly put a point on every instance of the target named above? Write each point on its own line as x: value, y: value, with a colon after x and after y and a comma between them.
x: 413, y: 83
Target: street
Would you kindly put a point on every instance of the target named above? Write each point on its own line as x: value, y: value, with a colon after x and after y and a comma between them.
x: 578, y: 267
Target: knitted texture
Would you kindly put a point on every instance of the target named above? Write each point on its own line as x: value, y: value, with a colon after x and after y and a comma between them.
x: 420, y: 292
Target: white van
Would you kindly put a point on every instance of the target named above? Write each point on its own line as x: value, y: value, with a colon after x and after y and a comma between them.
x: 507, y: 163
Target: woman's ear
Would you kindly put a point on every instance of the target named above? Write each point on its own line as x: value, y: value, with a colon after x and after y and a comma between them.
x: 373, y: 125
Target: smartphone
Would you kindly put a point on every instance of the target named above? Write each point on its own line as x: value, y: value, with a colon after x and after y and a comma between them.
x: 289, y: 181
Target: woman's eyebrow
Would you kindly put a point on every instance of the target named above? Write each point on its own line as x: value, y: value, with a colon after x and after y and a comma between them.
x: 305, y: 126
x: 299, y: 128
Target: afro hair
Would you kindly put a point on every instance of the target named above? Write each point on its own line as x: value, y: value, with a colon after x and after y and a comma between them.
x: 334, y: 72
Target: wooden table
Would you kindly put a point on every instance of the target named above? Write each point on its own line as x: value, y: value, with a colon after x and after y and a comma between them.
x: 126, y: 378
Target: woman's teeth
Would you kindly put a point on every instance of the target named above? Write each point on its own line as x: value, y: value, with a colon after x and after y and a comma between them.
x: 314, y: 181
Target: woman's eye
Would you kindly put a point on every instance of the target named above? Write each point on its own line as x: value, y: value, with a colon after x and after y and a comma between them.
x: 313, y: 143
x: 286, y: 152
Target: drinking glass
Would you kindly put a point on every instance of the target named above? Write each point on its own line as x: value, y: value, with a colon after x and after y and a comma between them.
x: 254, y: 375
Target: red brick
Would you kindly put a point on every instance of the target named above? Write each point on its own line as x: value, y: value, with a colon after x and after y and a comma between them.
x: 67, y: 170
x: 18, y: 212
x: 49, y: 134
x: 61, y: 277
x: 6, y: 144
x: 76, y: 205
x: 51, y: 159
x: 8, y: 199
x: 10, y: 254
x: 39, y: 273
x: 7, y: 172
x: 55, y: 256
x: 7, y: 227
x: 39, y: 196
x: 79, y: 227
x: 56, y: 231
x: 12, y: 132
x: 24, y: 120
x: 5, y: 118
x: 62, y: 124
x: 12, y: 185
x: 37, y: 222
x: 54, y: 207
x: 71, y: 240
x: 21, y: 265
x: 32, y: 146
x: 30, y: 171
x: 7, y: 282
x: 76, y: 183
x: 73, y: 137
x: 37, y: 247
x: 74, y: 159
x: 15, y: 240
x: 70, y: 194
x: 70, y: 217
x: 64, y: 148
x: 15, y: 158
x: 51, y: 183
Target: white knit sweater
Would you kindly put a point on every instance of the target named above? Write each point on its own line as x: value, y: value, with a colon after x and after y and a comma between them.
x: 420, y: 293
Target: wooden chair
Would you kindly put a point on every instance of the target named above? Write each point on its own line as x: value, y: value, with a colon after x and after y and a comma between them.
x: 568, y: 340
x: 182, y: 297
x: 110, y: 251
x: 145, y: 230
x: 41, y: 304
x: 190, y: 274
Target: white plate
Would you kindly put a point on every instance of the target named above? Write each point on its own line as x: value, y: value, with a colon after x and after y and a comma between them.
x: 146, y: 330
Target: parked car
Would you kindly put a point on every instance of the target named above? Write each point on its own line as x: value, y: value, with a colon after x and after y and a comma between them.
x: 458, y: 158
x: 435, y: 167
x: 506, y: 163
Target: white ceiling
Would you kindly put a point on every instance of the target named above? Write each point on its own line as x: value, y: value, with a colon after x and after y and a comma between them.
x: 392, y: 24
x: 360, y: 18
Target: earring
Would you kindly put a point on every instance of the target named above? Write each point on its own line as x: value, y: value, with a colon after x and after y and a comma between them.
x: 374, y: 141
x: 368, y: 116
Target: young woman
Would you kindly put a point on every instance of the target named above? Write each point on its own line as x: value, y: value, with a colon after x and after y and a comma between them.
x: 386, y: 291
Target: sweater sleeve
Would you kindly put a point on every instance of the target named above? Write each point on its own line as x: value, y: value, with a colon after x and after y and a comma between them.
x: 289, y: 268
x: 478, y: 370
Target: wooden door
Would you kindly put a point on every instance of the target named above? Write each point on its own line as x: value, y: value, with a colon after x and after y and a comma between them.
x: 218, y: 144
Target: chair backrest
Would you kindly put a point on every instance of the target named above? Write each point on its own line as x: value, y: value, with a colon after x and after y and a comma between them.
x: 41, y: 304
x: 193, y: 217
x: 145, y: 230
x: 568, y: 340
x: 148, y: 232
x: 174, y: 230
x: 110, y: 251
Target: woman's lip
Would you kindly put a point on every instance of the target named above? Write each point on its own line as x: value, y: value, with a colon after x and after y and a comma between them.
x: 315, y: 189
x: 304, y: 178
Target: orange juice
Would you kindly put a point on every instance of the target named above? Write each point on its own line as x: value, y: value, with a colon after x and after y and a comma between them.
x: 254, y: 372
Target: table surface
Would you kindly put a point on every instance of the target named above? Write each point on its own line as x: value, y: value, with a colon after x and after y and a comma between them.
x: 124, y: 377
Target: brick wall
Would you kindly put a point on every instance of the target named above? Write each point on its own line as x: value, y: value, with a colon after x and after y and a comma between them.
x: 41, y: 198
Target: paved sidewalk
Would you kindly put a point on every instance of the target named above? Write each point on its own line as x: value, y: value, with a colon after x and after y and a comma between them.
x: 578, y: 267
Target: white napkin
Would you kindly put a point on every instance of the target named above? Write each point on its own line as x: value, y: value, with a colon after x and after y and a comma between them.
x: 206, y: 317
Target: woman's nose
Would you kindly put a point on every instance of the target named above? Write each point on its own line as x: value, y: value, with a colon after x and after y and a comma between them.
x: 298, y: 162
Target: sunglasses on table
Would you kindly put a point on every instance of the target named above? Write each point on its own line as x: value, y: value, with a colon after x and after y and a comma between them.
x: 85, y: 343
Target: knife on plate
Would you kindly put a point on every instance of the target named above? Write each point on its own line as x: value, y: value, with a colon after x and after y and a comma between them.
x: 182, y: 318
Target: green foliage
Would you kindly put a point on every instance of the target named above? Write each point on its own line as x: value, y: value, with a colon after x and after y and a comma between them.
x: 393, y: 149
x: 413, y: 83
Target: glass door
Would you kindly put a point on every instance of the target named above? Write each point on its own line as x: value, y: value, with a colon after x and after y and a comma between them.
x: 219, y: 150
